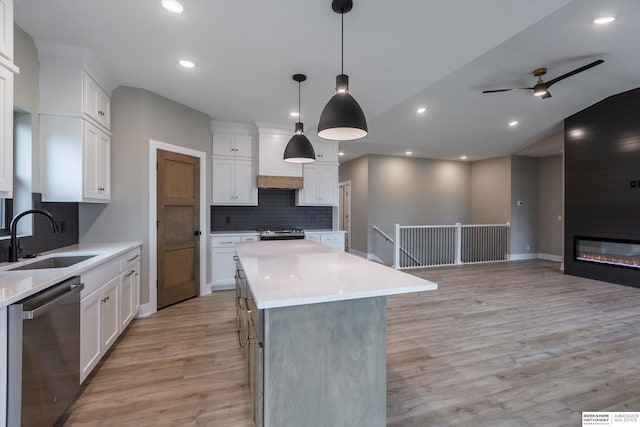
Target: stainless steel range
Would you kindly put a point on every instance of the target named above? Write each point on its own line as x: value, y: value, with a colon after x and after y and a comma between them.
x: 281, y: 233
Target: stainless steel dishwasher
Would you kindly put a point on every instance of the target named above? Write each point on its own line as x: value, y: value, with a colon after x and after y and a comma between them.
x: 44, y: 355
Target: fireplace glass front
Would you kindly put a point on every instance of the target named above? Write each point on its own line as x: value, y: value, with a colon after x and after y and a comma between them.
x: 613, y: 252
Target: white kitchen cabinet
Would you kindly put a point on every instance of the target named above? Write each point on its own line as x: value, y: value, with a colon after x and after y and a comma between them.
x: 6, y: 29
x: 6, y: 132
x: 109, y: 301
x: 223, y: 250
x: 96, y: 157
x: 76, y: 160
x: 326, y: 151
x: 234, y: 182
x: 333, y: 239
x: 230, y: 145
x: 96, y: 102
x: 109, y: 321
x: 320, y: 186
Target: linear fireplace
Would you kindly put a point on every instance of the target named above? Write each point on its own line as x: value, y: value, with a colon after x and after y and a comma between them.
x: 619, y: 253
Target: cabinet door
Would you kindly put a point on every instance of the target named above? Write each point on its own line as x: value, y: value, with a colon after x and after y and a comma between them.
x: 96, y: 104
x: 96, y: 157
x: 333, y: 240
x: 6, y: 132
x: 244, y: 183
x: 6, y: 29
x: 328, y: 185
x: 223, y: 267
x: 326, y: 151
x: 223, y: 145
x: 243, y: 146
x: 136, y: 290
x: 109, y: 320
x: 223, y: 181
x: 90, y: 338
x: 309, y: 193
x: 126, y: 298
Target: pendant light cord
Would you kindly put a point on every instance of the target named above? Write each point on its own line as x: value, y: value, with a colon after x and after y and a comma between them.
x: 299, y: 113
x: 342, y: 45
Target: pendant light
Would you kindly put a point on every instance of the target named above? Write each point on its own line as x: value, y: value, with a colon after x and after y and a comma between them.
x: 299, y: 148
x: 342, y: 118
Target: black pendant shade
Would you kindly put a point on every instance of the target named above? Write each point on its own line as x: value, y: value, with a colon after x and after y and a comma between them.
x: 299, y: 148
x: 342, y: 119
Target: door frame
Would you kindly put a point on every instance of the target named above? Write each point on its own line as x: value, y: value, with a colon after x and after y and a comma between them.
x: 154, y: 146
x: 348, y: 209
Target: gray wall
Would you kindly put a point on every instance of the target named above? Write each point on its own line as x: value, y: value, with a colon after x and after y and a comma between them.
x: 26, y: 94
x: 491, y: 191
x: 138, y: 116
x: 524, y: 218
x: 550, y: 188
x: 357, y: 171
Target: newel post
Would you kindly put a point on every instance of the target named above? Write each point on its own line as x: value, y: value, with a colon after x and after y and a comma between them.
x: 396, y: 247
x: 458, y: 259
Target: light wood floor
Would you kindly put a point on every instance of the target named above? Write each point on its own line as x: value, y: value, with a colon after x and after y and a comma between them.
x: 508, y: 344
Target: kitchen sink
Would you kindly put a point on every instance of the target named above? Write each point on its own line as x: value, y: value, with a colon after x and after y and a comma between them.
x: 53, y: 262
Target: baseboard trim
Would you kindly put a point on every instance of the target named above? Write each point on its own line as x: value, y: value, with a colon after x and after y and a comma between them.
x: 222, y: 287
x: 145, y: 310
x: 205, y: 290
x: 357, y: 253
x: 550, y: 257
x: 521, y: 257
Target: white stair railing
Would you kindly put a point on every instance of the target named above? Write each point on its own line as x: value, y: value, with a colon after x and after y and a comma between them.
x: 433, y: 245
x: 395, y: 247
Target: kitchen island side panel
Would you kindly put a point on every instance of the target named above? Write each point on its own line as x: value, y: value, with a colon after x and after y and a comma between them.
x: 325, y: 364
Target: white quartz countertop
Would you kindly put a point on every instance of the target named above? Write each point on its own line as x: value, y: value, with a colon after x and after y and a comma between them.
x: 233, y: 233
x: 296, y: 272
x: 16, y: 285
x: 322, y: 231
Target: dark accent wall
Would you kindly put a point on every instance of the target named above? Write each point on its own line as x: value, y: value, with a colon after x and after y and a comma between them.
x: 276, y: 208
x: 602, y: 181
x: 43, y: 239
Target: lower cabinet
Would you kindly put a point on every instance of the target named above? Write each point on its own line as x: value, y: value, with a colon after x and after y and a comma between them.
x: 334, y: 240
x: 222, y: 252
x: 109, y: 301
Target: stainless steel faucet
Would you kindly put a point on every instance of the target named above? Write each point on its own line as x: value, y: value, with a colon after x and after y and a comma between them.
x: 14, y: 245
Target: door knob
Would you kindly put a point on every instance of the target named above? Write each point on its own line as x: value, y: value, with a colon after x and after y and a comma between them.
x: 197, y: 233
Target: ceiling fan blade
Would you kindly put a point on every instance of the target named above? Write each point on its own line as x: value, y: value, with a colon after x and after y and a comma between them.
x: 506, y: 90
x: 576, y: 71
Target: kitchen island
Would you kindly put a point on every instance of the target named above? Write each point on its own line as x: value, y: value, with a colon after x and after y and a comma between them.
x: 316, y: 345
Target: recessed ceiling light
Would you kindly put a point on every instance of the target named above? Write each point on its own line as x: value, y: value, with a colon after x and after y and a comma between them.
x: 294, y: 114
x: 513, y: 123
x: 408, y: 153
x: 341, y: 153
x: 186, y: 63
x: 604, y: 20
x: 172, y: 6
x: 421, y: 110
x: 463, y: 157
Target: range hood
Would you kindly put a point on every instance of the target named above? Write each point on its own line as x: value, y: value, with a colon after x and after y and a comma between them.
x: 273, y: 171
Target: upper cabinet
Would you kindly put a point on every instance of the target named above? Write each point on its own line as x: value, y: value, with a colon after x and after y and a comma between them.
x: 229, y: 145
x: 96, y: 102
x: 326, y: 151
x: 6, y: 29
x: 234, y: 165
x: 321, y: 177
x: 7, y: 70
x: 75, y: 127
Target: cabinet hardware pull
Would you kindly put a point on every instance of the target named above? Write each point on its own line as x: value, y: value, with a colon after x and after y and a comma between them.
x: 130, y: 273
x: 226, y: 243
x: 132, y: 258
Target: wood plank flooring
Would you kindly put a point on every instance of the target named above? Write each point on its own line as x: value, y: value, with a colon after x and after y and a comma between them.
x: 507, y: 344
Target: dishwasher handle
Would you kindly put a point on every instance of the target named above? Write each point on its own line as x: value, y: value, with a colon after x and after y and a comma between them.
x: 43, y: 308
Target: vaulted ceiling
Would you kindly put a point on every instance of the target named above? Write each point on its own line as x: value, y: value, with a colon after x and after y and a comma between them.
x: 400, y: 55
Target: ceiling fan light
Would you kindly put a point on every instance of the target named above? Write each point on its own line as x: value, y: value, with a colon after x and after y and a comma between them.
x: 540, y: 89
x: 299, y: 149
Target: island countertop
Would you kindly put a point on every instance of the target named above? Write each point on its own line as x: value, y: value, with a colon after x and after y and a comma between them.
x: 296, y: 272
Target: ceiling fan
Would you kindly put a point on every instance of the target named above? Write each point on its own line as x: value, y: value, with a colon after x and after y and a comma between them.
x: 541, y: 88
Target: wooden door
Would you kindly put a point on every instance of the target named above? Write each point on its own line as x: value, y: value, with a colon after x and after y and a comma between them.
x: 178, y: 227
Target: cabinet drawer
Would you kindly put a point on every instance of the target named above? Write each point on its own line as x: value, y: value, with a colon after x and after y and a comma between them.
x: 332, y: 238
x: 97, y: 277
x: 130, y: 259
x: 222, y: 241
